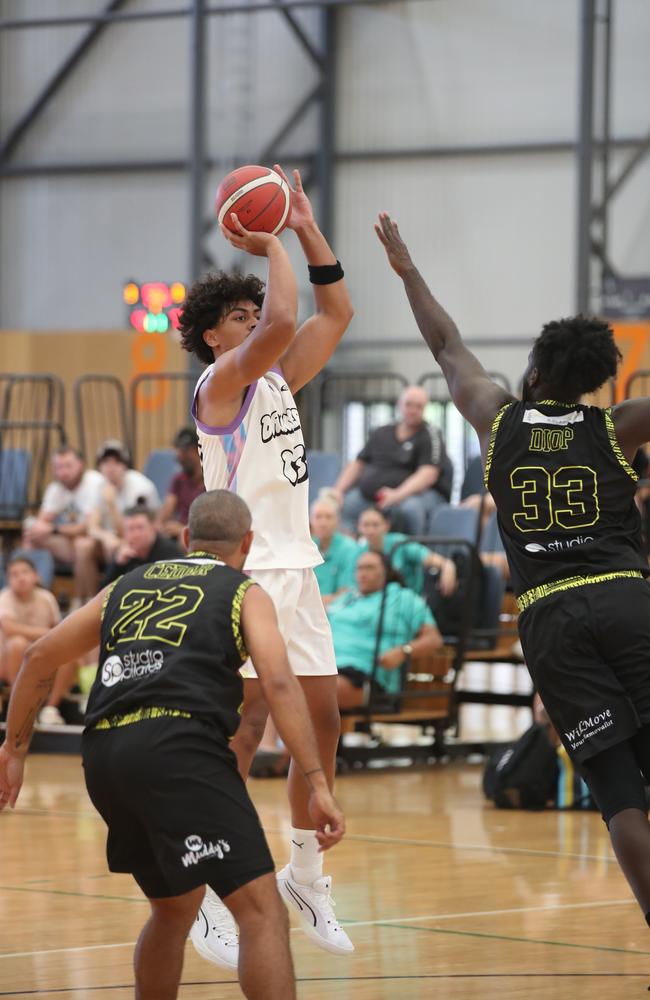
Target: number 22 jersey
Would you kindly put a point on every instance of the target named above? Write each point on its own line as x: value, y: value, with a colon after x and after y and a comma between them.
x: 261, y: 456
x: 564, y: 493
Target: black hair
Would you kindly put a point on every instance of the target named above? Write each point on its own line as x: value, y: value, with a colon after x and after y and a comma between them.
x: 575, y: 356
x: 140, y: 508
x: 390, y: 573
x: 384, y: 514
x: 21, y: 557
x: 186, y: 438
x: 208, y: 301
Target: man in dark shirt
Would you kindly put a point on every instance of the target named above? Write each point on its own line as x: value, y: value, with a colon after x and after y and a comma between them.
x: 184, y: 487
x: 142, y: 544
x: 403, y: 468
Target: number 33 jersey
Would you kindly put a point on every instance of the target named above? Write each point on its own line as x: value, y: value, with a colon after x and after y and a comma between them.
x: 564, y: 493
x: 261, y: 456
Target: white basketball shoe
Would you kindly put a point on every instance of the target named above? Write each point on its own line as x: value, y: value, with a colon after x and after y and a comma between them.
x: 214, y: 934
x: 314, y: 905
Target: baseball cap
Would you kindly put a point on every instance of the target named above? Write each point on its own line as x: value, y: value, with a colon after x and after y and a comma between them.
x: 115, y: 449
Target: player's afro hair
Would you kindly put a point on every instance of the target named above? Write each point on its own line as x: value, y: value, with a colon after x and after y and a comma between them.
x: 208, y: 301
x: 575, y: 356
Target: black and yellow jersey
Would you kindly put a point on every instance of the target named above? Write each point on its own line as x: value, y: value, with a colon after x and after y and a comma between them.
x: 564, y: 494
x: 171, y: 644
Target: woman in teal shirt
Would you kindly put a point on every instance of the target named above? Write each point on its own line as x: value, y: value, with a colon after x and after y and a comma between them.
x: 409, y: 560
x: 408, y: 629
x: 339, y: 552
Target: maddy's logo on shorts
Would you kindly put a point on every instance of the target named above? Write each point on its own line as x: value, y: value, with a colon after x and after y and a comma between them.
x: 131, y: 666
x: 198, y: 851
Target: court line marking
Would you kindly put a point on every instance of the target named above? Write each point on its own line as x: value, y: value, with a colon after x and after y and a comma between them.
x: 351, y: 979
x: 609, y: 859
x: 520, y: 940
x: 495, y: 913
x: 397, y: 922
x: 407, y: 842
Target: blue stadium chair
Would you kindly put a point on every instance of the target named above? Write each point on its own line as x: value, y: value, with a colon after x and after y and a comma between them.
x: 324, y: 467
x: 491, y: 539
x: 43, y: 562
x: 454, y: 522
x: 15, y: 467
x: 473, y: 479
x: 161, y: 467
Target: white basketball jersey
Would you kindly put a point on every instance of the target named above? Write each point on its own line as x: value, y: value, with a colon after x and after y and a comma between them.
x: 260, y: 456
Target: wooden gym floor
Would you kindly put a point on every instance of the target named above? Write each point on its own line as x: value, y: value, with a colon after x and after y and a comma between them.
x: 443, y: 896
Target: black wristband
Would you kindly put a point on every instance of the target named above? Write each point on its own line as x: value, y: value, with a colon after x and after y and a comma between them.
x: 325, y: 274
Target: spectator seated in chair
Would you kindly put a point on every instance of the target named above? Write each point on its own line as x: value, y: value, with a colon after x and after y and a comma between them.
x: 27, y: 612
x: 184, y: 487
x: 122, y: 488
x: 141, y: 545
x: 61, y: 526
x: 403, y: 468
x: 340, y: 552
x: 411, y: 560
x: 407, y: 628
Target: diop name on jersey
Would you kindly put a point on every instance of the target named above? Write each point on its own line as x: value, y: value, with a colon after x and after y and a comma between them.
x: 275, y: 424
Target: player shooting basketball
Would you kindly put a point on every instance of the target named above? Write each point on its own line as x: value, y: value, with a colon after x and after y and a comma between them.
x: 251, y: 443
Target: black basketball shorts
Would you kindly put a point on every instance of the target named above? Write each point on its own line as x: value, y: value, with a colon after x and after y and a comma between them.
x: 588, y: 653
x: 177, y: 811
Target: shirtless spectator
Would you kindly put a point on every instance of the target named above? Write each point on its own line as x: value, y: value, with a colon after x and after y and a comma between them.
x: 27, y: 612
x: 61, y: 526
x: 123, y: 487
x: 184, y: 487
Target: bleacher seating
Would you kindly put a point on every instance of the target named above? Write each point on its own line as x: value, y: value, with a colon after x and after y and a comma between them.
x: 324, y: 467
x: 161, y: 467
x: 15, y: 467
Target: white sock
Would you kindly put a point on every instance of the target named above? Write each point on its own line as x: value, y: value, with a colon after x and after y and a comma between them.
x: 306, y: 860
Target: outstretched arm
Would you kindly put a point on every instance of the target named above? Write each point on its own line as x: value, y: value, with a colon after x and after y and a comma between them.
x: 472, y: 390
x: 318, y: 337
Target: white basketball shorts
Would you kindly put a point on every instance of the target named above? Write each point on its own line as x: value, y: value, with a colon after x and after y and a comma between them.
x: 302, y: 621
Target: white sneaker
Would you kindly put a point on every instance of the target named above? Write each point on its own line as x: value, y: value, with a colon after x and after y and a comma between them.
x: 214, y: 934
x: 50, y: 716
x: 313, y: 904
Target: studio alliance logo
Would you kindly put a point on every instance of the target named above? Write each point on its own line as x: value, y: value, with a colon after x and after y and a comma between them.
x: 131, y: 666
x: 198, y: 851
x: 560, y: 545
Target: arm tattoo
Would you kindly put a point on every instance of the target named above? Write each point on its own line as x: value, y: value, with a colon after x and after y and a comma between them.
x: 24, y: 731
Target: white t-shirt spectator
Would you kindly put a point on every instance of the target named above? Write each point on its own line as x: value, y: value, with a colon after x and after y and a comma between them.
x: 137, y: 490
x: 69, y: 506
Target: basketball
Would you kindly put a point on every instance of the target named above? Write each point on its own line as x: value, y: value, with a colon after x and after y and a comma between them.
x: 259, y: 197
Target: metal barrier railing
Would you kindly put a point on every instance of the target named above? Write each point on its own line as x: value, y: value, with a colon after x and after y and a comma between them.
x: 100, y: 413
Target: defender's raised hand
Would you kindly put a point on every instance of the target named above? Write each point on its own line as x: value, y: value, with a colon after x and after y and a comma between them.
x: 396, y: 250
x: 301, y: 213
